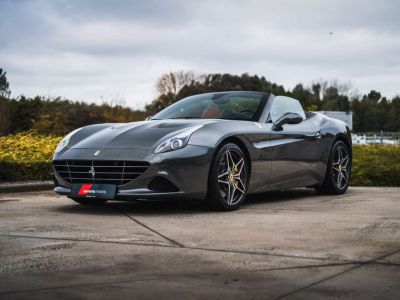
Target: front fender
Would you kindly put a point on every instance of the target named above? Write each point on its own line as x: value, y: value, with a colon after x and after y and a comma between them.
x: 83, y: 133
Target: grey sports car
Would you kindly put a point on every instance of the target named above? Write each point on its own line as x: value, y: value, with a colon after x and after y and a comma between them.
x: 218, y: 147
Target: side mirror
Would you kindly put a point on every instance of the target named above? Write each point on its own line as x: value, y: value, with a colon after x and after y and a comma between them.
x: 287, y: 118
x: 148, y: 118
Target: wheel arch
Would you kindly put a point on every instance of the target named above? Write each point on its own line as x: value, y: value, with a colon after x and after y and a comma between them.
x: 241, y: 144
x: 342, y: 137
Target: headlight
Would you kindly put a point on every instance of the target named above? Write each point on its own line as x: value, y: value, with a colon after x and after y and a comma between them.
x: 64, y: 142
x: 178, y: 141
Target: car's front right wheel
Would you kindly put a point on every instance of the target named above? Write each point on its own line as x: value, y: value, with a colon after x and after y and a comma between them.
x: 228, y: 180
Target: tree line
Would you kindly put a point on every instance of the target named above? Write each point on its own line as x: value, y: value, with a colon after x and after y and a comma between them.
x: 57, y: 116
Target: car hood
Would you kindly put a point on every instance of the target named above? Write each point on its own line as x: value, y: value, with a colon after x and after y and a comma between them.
x: 139, y: 135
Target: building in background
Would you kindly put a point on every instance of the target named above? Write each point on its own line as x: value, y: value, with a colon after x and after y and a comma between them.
x: 345, y: 116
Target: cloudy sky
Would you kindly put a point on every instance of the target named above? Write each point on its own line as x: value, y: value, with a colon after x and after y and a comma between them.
x: 94, y: 50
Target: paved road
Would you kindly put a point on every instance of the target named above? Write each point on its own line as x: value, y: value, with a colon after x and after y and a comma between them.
x: 286, y: 245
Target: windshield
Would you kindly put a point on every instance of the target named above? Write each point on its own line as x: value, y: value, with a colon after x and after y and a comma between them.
x: 231, y: 106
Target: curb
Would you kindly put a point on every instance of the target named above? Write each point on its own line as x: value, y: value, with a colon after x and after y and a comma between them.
x: 28, y: 186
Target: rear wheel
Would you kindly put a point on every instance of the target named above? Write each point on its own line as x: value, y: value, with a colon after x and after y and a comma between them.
x: 228, y: 180
x: 338, y: 171
x: 90, y: 201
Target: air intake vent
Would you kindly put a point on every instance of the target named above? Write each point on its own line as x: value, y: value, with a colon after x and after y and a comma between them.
x: 161, y: 184
x: 117, y: 172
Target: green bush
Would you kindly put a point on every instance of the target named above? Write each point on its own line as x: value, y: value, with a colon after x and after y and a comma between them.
x: 376, y: 165
x: 19, y: 171
x: 27, y: 156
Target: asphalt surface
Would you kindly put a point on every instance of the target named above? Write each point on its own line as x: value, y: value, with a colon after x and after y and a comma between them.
x: 284, y: 245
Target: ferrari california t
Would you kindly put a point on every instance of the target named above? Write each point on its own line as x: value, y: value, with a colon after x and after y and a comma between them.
x: 218, y: 147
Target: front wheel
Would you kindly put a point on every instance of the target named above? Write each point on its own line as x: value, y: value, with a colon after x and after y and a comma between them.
x: 228, y: 180
x: 338, y: 171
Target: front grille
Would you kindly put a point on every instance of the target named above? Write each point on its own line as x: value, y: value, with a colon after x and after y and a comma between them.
x: 100, y: 171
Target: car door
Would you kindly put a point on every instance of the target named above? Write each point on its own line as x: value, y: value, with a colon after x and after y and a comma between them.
x: 294, y: 149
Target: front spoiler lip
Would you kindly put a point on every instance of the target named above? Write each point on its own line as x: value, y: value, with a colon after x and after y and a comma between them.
x: 131, y: 194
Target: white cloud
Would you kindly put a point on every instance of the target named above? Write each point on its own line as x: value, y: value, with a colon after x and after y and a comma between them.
x: 93, y: 50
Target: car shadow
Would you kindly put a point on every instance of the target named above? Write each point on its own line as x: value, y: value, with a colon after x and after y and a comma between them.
x: 178, y: 207
x: 278, y: 196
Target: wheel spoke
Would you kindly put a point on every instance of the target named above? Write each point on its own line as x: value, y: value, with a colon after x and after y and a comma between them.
x: 223, y: 174
x: 345, y: 161
x: 232, y: 196
x: 340, y: 154
x: 238, y: 179
x: 345, y: 173
x: 240, y: 168
x: 231, y: 162
x: 228, y: 160
x: 238, y: 163
x: 236, y: 176
x: 344, y: 176
x: 237, y: 187
x: 339, y: 180
x: 224, y: 182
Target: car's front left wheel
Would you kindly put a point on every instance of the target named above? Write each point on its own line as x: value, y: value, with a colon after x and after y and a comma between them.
x: 228, y: 180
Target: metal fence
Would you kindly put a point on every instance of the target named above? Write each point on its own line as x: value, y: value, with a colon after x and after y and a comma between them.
x: 376, y: 138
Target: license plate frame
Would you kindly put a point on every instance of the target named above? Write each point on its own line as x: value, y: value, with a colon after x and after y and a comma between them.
x: 93, y: 191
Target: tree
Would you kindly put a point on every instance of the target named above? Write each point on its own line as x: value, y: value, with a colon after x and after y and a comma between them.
x: 393, y: 115
x: 5, y: 113
x: 173, y: 82
x: 244, y: 82
x: 334, y: 100
x: 208, y: 84
x: 308, y: 100
x: 4, y: 85
x: 5, y: 106
x: 373, y: 114
x: 169, y: 86
x: 57, y: 116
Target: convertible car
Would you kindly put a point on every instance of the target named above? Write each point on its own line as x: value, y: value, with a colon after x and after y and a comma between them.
x: 218, y: 147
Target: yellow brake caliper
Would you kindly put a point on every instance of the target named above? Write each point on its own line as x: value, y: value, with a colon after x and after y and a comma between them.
x: 234, y: 173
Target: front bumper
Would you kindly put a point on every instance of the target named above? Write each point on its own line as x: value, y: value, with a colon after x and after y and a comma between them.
x: 185, y: 168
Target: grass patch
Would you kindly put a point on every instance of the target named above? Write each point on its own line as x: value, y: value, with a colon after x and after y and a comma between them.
x: 376, y: 165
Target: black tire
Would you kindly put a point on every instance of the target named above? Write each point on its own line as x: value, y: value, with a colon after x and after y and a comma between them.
x: 337, y: 166
x: 92, y: 202
x: 227, y: 184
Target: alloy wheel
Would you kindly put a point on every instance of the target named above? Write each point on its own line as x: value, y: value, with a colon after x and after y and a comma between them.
x: 341, y: 167
x: 232, y: 176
